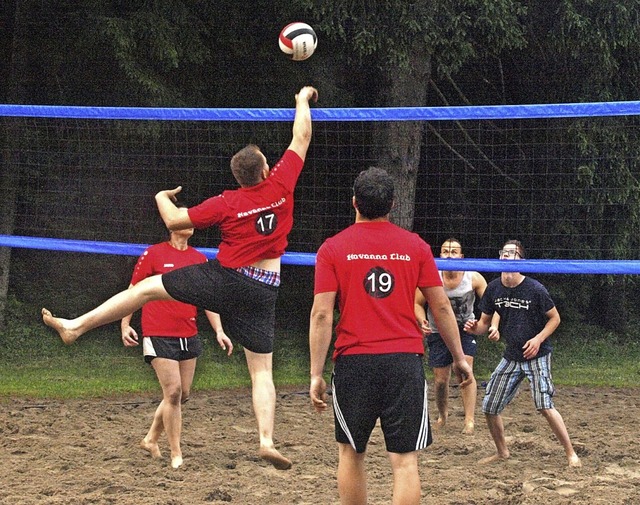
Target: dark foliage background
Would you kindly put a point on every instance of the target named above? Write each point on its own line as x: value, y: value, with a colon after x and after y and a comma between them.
x: 568, y: 189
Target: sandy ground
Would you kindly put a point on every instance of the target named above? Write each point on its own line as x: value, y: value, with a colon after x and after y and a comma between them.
x: 86, y: 452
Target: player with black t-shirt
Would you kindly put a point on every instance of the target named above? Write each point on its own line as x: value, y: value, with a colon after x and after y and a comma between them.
x: 528, y: 317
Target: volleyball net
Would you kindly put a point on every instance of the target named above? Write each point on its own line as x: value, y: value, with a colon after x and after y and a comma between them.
x: 561, y: 178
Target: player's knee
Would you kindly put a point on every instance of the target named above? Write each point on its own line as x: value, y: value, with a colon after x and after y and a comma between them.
x: 546, y: 412
x: 441, y: 387
x: 174, y: 395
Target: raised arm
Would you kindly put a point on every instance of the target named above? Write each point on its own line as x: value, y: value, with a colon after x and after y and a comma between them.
x: 302, y: 122
x: 175, y: 218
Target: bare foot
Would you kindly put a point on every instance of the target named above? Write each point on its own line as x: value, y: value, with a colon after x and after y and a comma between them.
x: 496, y: 458
x: 61, y: 326
x: 152, y: 447
x: 176, y: 461
x: 574, y: 461
x: 441, y: 423
x: 469, y: 428
x: 274, y: 457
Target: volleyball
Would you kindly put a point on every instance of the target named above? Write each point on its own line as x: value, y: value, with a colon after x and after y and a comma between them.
x: 298, y: 41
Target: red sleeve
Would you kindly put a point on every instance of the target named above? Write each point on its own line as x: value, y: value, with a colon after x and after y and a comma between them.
x: 144, y: 267
x: 209, y: 212
x: 325, y: 279
x: 288, y: 169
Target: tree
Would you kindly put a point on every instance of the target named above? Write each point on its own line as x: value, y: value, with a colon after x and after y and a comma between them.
x: 406, y: 42
x: 15, y: 91
x: 91, y: 53
x: 576, y: 52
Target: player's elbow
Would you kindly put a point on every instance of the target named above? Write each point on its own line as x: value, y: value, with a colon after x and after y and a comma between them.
x: 321, y: 317
x: 321, y: 320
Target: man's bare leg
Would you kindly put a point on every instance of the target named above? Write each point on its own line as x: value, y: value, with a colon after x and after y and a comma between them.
x: 352, y: 477
x: 406, y: 478
x: 559, y: 429
x: 496, y: 428
x: 469, y: 396
x: 441, y: 377
x: 264, y: 406
x: 124, y: 303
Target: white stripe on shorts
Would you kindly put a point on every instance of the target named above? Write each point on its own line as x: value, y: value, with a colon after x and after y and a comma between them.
x: 423, y: 435
x: 147, y: 347
x: 340, y: 416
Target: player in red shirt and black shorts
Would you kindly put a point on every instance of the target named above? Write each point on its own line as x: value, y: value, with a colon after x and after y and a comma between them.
x: 241, y: 284
x: 170, y: 339
x: 373, y: 269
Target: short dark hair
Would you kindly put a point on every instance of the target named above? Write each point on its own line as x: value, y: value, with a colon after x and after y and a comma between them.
x: 246, y: 165
x: 519, y: 247
x: 453, y: 239
x: 373, y: 190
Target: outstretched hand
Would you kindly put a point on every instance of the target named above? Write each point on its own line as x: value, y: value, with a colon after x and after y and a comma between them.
x: 171, y: 193
x: 470, y: 326
x: 308, y: 93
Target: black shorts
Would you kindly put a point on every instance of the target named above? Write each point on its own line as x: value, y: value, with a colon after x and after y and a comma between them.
x: 389, y: 387
x: 439, y: 354
x: 247, y: 307
x: 175, y: 348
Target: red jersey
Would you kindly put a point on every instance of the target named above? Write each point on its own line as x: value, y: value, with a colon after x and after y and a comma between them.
x: 255, y: 221
x: 375, y: 268
x: 166, y: 318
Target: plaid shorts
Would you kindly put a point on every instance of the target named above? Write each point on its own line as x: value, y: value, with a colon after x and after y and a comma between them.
x: 506, y: 379
x: 258, y: 274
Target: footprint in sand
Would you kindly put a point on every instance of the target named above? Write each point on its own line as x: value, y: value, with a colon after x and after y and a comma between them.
x: 561, y: 487
x: 629, y: 472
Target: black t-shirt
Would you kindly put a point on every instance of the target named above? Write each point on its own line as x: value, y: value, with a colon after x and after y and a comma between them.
x: 522, y: 312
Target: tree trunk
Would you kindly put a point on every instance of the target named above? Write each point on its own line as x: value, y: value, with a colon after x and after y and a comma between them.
x: 10, y: 176
x: 399, y: 142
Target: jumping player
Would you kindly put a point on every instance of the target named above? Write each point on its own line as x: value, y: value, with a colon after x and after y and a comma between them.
x: 242, y: 283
